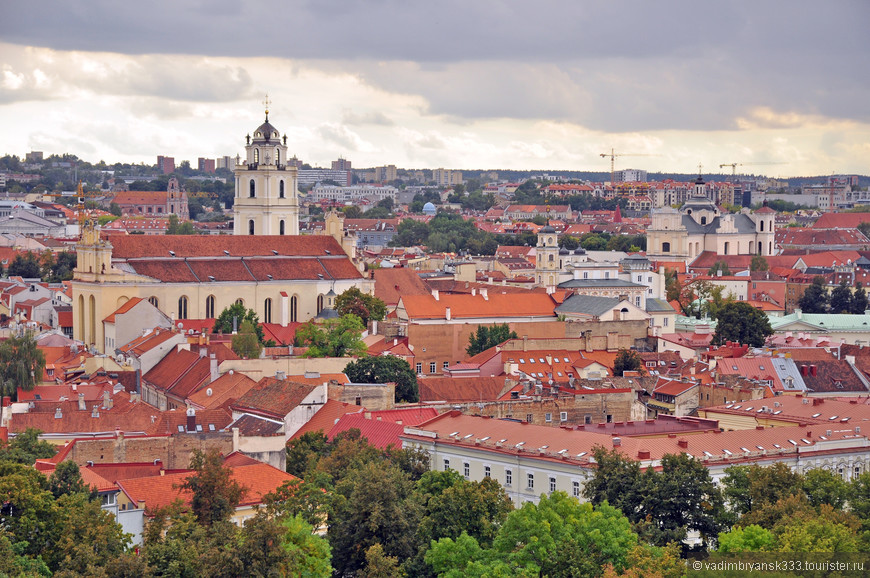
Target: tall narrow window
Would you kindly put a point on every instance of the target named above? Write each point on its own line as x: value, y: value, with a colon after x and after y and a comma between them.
x: 267, y: 311
x: 293, y: 303
x: 277, y: 156
x: 182, y: 307
x: 251, y: 227
x: 154, y: 301
x: 281, y: 190
x: 253, y: 189
x: 256, y: 155
x: 209, y: 307
x: 319, y: 303
x: 281, y: 227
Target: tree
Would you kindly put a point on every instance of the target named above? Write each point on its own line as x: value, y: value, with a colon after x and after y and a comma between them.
x: 231, y: 319
x: 214, y: 493
x: 719, y: 268
x: 386, y: 369
x: 26, y: 266
x: 66, y: 479
x: 558, y: 537
x: 672, y: 285
x: 859, y: 300
x: 176, y: 228
x: 627, y: 360
x: 619, y: 482
x: 825, y: 487
x: 741, y: 322
x: 304, y: 451
x: 379, y: 565
x: 115, y: 209
x: 21, y: 365
x: 245, y: 343
x: 759, y: 263
x: 841, y: 298
x: 26, y: 448
x: 333, y: 337
x: 487, y: 337
x: 815, y: 298
x: 752, y: 538
x: 366, y: 307
x: 285, y: 547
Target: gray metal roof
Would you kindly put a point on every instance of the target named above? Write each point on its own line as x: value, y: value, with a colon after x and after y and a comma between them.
x: 657, y: 305
x: 587, y: 305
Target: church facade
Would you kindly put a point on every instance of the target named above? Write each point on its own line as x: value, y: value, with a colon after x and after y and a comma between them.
x: 700, y: 226
x: 266, y: 265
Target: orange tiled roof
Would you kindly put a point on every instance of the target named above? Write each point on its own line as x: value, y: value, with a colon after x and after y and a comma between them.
x: 327, y: 416
x: 496, y: 305
x: 273, y: 397
x: 130, y: 304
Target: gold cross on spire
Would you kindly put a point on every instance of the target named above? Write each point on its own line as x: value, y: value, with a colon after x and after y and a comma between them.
x: 266, y: 104
x: 700, y: 166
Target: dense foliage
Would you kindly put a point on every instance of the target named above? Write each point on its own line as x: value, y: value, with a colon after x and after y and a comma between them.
x: 740, y: 322
x: 366, y: 307
x: 341, y: 337
x: 488, y: 336
x: 386, y: 369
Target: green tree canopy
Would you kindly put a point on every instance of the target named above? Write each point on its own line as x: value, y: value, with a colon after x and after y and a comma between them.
x: 759, y: 263
x: 341, y: 337
x: 741, y: 322
x: 386, y: 369
x: 841, y: 298
x: 488, y: 336
x: 859, y: 300
x: 627, y: 360
x: 26, y: 266
x: 245, y: 343
x: 237, y: 312
x: 815, y: 298
x: 366, y: 307
x: 214, y: 493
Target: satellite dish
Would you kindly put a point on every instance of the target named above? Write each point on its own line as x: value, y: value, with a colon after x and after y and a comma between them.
x: 180, y: 325
x: 208, y: 392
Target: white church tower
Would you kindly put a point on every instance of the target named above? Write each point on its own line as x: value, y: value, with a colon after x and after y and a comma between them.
x: 266, y: 202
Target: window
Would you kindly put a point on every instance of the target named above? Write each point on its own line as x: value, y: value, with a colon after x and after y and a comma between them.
x: 666, y: 247
x: 607, y: 274
x: 446, y: 465
x: 552, y: 484
x: 548, y: 417
x: 609, y: 418
x: 587, y: 419
x: 153, y: 301
x: 319, y: 303
x: 563, y: 416
x: 466, y: 469
x: 294, y: 301
x: 252, y: 192
x: 508, y: 477
x: 530, y: 477
x: 357, y: 400
x: 419, y: 368
x: 575, y: 491
x: 182, y: 307
x: 256, y: 157
x: 240, y: 301
x: 432, y: 366
x: 250, y: 226
x: 267, y: 311
x: 446, y: 364
x: 278, y: 162
x: 637, y: 301
x: 530, y: 418
x: 281, y: 227
x: 487, y: 472
x: 586, y: 274
x: 209, y: 307
x: 665, y: 322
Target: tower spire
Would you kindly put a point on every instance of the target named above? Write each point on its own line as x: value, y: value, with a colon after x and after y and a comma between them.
x: 266, y: 103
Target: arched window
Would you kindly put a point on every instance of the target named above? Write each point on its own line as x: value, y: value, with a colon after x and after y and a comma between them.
x: 551, y: 258
x: 666, y: 247
x: 762, y: 225
x: 253, y: 189
x: 267, y: 311
x: 209, y: 307
x: 703, y: 220
x: 251, y: 227
x: 281, y: 227
x: 240, y: 301
x: 153, y: 301
x: 81, y: 334
x: 277, y: 156
x: 293, y: 303
x: 182, y: 307
x: 256, y: 155
x: 281, y: 190
x: 319, y: 303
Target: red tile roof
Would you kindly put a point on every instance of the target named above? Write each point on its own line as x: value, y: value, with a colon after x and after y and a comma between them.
x: 327, y: 416
x: 379, y: 433
x: 130, y: 304
x: 458, y: 389
x: 188, y: 246
x: 496, y: 305
x: 390, y: 284
x: 273, y: 398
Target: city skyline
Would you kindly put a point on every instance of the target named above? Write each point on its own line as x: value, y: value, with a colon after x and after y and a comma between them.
x: 491, y: 85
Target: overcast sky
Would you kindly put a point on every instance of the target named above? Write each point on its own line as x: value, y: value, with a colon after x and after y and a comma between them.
x: 459, y: 84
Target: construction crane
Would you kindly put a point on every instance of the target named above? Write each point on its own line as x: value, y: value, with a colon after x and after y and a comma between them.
x: 81, y: 196
x: 613, y: 154
x: 735, y: 165
x: 202, y: 194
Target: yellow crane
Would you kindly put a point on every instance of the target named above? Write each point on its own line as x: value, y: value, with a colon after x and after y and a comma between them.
x: 202, y: 194
x: 735, y: 165
x: 81, y: 196
x: 613, y: 154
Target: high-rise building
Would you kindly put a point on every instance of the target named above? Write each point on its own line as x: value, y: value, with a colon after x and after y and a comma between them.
x: 447, y: 177
x: 385, y: 173
x: 630, y: 176
x: 341, y: 165
x: 166, y: 164
x: 206, y: 165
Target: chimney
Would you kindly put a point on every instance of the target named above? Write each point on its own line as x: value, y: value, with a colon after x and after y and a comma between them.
x: 58, y: 414
x: 683, y: 443
x: 485, y: 294
x: 617, y: 442
x: 203, y: 352
x: 435, y: 294
x: 447, y: 313
x: 191, y: 419
x: 643, y: 454
x: 140, y: 504
x: 525, y: 342
x: 95, y: 412
x: 213, y: 367
x: 282, y: 375
x: 82, y: 406
x: 107, y: 400
x: 473, y: 291
x: 813, y: 370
